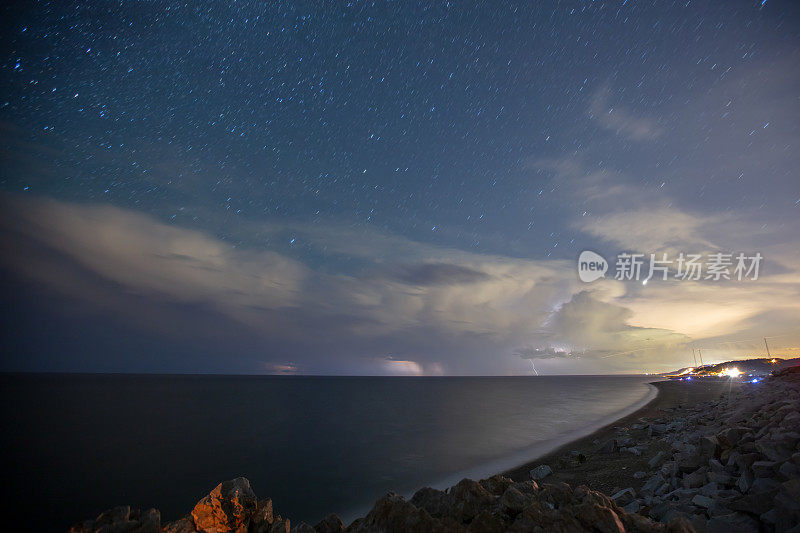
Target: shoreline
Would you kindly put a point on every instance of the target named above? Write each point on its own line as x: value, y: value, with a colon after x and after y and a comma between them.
x: 544, y: 449
x: 670, y: 396
x: 522, y: 459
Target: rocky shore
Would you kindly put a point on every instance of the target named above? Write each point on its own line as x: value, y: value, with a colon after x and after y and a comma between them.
x: 732, y: 464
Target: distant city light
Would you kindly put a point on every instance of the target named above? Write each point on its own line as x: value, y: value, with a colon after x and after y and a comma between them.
x: 732, y: 372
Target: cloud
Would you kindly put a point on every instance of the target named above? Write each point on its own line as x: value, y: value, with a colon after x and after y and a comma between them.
x: 436, y: 310
x: 621, y: 120
x: 440, y: 315
x: 401, y: 367
x: 437, y: 274
x: 640, y: 204
x: 600, y: 328
x: 529, y: 352
x: 653, y: 230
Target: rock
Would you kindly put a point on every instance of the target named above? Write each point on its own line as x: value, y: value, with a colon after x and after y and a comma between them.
x: 679, y: 524
x: 769, y: 517
x: 469, y: 499
x: 663, y: 489
x: 624, y: 496
x: 708, y: 448
x: 689, y: 463
x: 744, y: 482
x: 496, y: 484
x: 226, y: 508
x: 184, y: 525
x: 653, y: 484
x: 730, y: 461
x: 763, y: 484
x: 513, y: 501
x: 487, y: 522
x: 787, y: 505
x: 721, y: 478
x: 302, y: 527
x: 754, y: 504
x: 694, y: 480
x: 656, y: 429
x: 639, y: 475
x: 280, y: 525
x: 702, y: 501
x: 676, y: 425
x: 609, y: 447
x: 745, y: 461
x: 540, y: 472
x: 625, y: 442
x: 669, y: 469
x: 393, y: 513
x: 764, y: 468
x: 558, y: 494
x: 715, y: 465
x: 330, y: 524
x: 122, y: 519
x: 773, y: 450
x: 661, y: 509
x: 435, y: 502
x: 598, y: 518
x: 729, y: 437
x: 263, y: 515
x: 656, y: 460
x: 789, y: 470
x: 633, y: 507
x: 732, y: 523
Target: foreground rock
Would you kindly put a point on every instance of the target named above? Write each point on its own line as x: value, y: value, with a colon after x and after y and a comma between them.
x: 494, y: 504
x: 230, y: 507
x: 499, y: 504
x: 120, y: 519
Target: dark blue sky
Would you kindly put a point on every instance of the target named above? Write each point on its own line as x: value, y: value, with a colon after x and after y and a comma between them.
x: 422, y: 161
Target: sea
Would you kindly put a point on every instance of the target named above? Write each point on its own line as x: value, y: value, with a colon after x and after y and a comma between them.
x: 73, y: 445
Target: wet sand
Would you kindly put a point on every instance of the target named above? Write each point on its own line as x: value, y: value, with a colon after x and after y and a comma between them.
x: 609, y: 472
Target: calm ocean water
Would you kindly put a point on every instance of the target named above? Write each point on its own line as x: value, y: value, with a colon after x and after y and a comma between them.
x: 74, y: 445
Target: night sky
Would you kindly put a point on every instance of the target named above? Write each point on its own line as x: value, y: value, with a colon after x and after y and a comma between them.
x: 393, y: 188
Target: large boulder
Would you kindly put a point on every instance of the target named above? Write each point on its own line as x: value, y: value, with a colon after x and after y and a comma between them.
x: 512, y: 502
x: 330, y: 524
x: 227, y: 508
x: 540, y: 472
x: 470, y: 499
x: 498, y: 484
x: 394, y: 513
x: 708, y: 448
